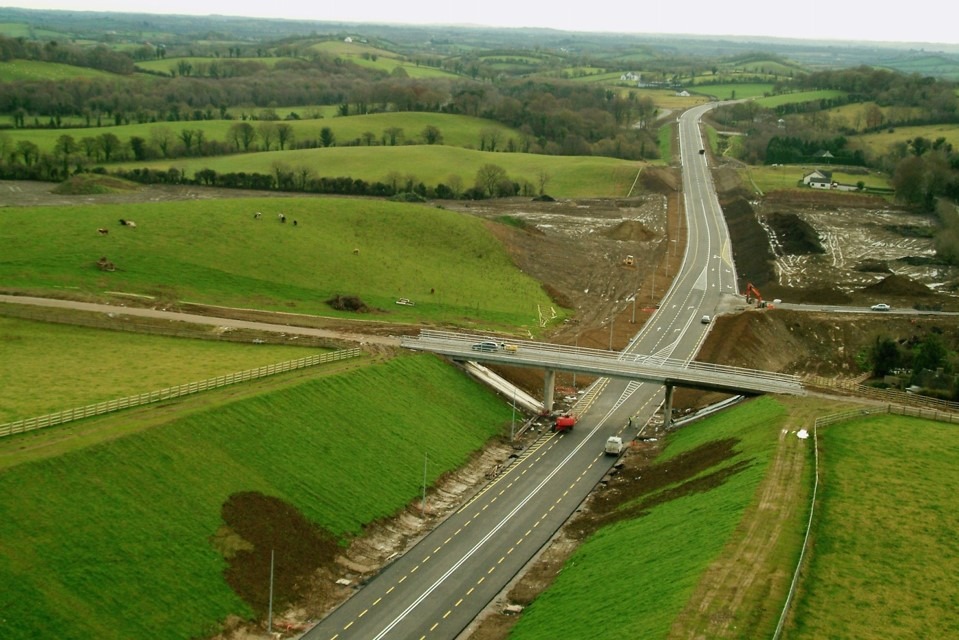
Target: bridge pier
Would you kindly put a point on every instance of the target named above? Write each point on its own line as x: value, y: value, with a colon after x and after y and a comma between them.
x: 668, y: 407
x: 548, y: 390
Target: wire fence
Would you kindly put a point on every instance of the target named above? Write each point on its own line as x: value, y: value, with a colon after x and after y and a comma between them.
x: 109, y: 406
x: 823, y: 421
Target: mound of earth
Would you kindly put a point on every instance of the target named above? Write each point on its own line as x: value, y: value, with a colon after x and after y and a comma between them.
x: 89, y: 183
x: 795, y: 235
x: 348, y: 303
x: 900, y: 286
x: 631, y: 231
x: 661, y: 179
x: 751, y: 250
x: 873, y: 266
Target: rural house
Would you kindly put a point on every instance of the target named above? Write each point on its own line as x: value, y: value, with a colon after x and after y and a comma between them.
x: 818, y: 179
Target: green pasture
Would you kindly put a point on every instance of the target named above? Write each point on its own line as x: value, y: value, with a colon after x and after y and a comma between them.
x: 882, y: 142
x: 15, y: 30
x: 19, y: 70
x: 350, y: 50
x: 886, y: 554
x: 734, y: 91
x: 570, y: 176
x: 633, y: 578
x: 115, y: 540
x: 798, y: 97
x: 456, y: 130
x: 764, y: 179
x: 171, y: 65
x: 215, y: 252
x: 94, y: 365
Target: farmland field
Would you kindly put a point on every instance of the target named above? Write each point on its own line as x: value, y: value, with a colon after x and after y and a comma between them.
x: 134, y: 520
x: 215, y: 252
x: 883, y: 141
x: 93, y: 365
x: 17, y: 70
x: 570, y: 176
x: 456, y: 130
x: 886, y: 554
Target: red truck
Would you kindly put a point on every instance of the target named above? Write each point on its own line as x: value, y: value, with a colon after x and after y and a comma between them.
x: 564, y: 422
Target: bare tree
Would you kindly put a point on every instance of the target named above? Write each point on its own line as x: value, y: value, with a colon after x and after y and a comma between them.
x: 489, y: 176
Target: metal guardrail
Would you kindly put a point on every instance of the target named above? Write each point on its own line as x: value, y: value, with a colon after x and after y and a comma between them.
x: 109, y: 406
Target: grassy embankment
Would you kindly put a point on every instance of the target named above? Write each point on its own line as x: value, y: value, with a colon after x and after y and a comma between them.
x: 886, y: 554
x: 215, y: 252
x: 633, y: 578
x: 116, y: 540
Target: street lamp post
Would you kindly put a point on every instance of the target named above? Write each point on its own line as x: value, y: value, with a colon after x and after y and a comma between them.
x: 426, y: 457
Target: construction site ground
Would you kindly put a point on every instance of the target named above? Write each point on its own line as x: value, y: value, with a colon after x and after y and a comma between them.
x: 803, y: 247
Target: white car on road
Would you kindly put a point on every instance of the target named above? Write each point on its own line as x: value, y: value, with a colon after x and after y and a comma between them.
x: 882, y: 306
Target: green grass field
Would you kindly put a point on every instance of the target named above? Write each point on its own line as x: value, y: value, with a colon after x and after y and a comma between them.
x: 769, y: 178
x: 570, y: 176
x: 886, y: 554
x: 457, y: 131
x: 18, y: 70
x: 798, y: 97
x: 733, y: 91
x: 171, y: 65
x: 215, y: 252
x: 94, y: 365
x: 633, y: 578
x: 883, y: 141
x: 115, y: 540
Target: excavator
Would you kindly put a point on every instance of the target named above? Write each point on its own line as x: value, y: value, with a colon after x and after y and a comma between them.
x: 752, y: 293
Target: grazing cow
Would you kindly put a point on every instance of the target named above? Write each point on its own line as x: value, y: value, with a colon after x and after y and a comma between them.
x: 281, y: 217
x: 131, y: 224
x: 256, y: 216
x: 356, y: 252
x: 103, y: 231
x: 123, y: 222
x: 294, y: 222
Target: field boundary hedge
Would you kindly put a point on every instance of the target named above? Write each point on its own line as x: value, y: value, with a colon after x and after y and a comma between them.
x: 109, y: 406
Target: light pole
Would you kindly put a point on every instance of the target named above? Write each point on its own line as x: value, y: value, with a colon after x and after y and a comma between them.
x: 574, y: 373
x: 612, y: 318
x: 269, y: 615
x: 633, y: 321
x: 426, y: 457
x: 512, y: 428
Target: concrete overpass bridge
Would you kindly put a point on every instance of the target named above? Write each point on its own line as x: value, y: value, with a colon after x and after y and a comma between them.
x: 612, y: 364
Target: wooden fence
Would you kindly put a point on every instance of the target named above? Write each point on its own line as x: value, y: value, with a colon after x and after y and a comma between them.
x: 891, y: 396
x: 109, y: 406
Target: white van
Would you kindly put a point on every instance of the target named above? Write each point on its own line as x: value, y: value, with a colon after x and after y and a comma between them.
x: 614, y: 446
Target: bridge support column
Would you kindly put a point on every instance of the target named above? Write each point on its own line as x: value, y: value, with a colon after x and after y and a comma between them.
x: 548, y: 390
x: 668, y: 407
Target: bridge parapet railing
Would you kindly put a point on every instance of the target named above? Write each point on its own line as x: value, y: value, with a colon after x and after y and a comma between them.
x: 615, y: 357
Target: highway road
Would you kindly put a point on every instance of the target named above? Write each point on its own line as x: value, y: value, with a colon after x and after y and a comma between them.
x: 438, y: 587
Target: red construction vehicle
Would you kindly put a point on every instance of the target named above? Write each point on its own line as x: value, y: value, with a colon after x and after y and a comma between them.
x: 564, y: 422
x: 752, y: 293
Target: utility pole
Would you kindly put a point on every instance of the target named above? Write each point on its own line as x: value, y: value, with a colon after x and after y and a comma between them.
x: 574, y: 373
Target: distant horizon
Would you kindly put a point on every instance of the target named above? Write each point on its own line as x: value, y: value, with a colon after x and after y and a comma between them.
x: 739, y: 19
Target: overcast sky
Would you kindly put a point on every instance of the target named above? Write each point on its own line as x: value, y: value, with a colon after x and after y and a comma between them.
x: 919, y: 21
